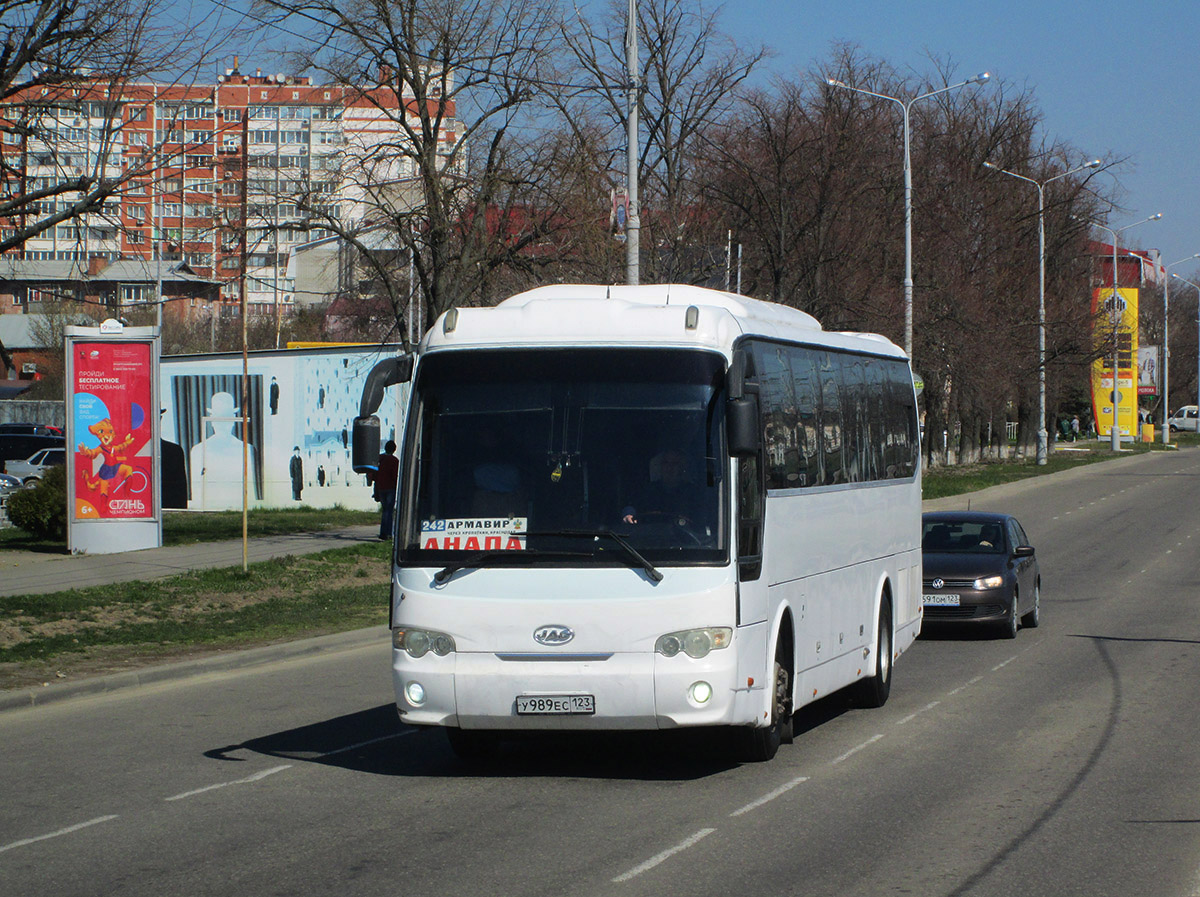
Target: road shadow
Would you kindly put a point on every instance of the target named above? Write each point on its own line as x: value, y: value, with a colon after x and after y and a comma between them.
x: 375, y: 742
x: 959, y: 632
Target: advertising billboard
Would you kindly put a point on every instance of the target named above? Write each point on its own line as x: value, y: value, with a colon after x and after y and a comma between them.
x: 112, y: 407
x: 113, y: 498
x: 1115, y: 310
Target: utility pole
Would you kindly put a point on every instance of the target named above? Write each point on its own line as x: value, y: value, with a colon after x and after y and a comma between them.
x: 633, y: 221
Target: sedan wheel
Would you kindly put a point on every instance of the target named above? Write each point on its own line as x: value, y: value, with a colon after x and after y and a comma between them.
x: 1013, y: 622
x: 1034, y: 617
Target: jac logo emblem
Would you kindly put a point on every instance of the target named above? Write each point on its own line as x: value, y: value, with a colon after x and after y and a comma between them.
x: 938, y: 583
x: 553, y: 635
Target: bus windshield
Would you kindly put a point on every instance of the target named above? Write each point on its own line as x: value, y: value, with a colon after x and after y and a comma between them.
x: 577, y: 457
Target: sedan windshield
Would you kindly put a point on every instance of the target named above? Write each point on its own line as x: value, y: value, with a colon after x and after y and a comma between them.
x: 579, y: 457
x: 967, y: 537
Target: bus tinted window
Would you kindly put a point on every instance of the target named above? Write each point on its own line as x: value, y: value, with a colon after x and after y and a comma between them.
x: 832, y: 417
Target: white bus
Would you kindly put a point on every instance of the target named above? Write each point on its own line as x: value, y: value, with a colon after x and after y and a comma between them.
x: 647, y: 508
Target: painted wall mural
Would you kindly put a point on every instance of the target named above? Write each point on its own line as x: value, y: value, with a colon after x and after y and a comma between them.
x: 301, y: 405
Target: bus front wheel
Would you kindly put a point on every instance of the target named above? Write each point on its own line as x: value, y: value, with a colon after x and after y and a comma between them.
x: 757, y: 745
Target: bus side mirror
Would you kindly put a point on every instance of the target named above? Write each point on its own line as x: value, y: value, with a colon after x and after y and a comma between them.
x: 742, y: 427
x: 364, y: 450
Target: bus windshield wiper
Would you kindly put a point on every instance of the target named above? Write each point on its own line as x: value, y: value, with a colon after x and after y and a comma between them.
x: 630, y: 552
x: 485, y: 558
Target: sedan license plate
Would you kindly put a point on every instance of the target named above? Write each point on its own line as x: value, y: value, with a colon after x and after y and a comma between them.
x: 940, y: 600
x: 555, y: 704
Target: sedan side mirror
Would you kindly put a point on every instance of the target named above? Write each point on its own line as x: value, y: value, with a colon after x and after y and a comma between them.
x: 1023, y: 551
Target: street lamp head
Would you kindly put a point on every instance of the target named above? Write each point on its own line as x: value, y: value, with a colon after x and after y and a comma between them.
x: 980, y: 78
x: 1155, y: 216
x: 987, y: 164
x: 1095, y: 163
x: 834, y: 82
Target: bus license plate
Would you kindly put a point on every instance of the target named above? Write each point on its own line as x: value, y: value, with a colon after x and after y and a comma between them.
x: 940, y: 600
x: 555, y: 704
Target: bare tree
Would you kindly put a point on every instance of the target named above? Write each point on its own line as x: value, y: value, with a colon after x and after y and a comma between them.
x: 67, y: 71
x: 451, y: 166
x: 692, y: 75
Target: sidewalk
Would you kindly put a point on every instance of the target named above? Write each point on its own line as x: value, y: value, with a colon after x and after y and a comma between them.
x: 32, y: 573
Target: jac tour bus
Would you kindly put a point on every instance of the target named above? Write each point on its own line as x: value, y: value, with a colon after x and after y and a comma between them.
x: 647, y: 508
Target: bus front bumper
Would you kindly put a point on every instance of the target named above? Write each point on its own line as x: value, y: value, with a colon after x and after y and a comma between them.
x: 627, y: 691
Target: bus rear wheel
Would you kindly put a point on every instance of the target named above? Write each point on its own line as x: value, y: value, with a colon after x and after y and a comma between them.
x: 873, y: 692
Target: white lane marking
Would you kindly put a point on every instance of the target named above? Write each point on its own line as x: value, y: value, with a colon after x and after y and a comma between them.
x: 665, y: 855
x: 361, y: 744
x: 246, y: 781
x: 62, y: 831
x: 1005, y: 663
x: 966, y: 685
x: 855, y: 750
x: 913, y: 716
x: 767, y: 798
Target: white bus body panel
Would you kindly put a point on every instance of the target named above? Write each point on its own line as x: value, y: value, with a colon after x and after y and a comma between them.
x: 617, y: 615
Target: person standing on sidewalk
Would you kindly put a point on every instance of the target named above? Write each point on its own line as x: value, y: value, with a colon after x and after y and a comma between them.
x: 385, y: 487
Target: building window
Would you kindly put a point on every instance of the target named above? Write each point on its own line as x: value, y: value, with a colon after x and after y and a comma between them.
x: 232, y: 114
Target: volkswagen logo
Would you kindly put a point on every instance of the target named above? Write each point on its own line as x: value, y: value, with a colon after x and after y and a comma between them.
x: 938, y: 583
x: 553, y: 635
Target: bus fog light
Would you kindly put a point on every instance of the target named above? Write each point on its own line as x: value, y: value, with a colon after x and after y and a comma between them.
x: 415, y: 692
x: 700, y: 692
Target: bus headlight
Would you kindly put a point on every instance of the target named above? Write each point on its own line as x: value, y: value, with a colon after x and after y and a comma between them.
x: 694, y: 642
x: 419, y: 642
x: 989, y: 582
x: 700, y: 692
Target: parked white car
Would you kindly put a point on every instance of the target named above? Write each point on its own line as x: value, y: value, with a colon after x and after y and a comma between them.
x: 33, y: 468
x: 1183, y: 419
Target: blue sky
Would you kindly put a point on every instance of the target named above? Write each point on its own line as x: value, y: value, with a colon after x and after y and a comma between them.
x: 1110, y: 78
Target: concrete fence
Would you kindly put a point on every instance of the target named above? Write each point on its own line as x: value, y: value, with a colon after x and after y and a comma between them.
x: 17, y: 411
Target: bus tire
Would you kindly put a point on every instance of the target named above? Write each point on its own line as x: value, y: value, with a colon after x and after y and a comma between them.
x: 757, y: 745
x: 469, y: 744
x: 874, y: 691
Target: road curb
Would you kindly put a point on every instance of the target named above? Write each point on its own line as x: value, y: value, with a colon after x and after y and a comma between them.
x: 979, y: 499
x: 57, y: 692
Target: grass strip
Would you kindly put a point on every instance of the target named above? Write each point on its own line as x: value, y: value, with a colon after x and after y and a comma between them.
x: 190, y: 527
x: 96, y: 629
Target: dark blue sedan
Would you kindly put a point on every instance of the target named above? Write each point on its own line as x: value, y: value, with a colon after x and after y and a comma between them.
x: 979, y: 567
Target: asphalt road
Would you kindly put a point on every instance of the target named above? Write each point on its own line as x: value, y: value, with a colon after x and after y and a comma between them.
x: 1064, y: 762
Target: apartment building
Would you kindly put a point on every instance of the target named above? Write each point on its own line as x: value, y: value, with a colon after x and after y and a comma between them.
x: 221, y: 177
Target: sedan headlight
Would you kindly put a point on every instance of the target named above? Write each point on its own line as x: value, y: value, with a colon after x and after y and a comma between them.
x: 989, y: 582
x: 694, y: 642
x: 419, y: 642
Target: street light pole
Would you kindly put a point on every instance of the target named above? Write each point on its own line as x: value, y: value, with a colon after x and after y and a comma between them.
x: 1166, y: 359
x: 1197, y: 288
x: 1042, y: 436
x: 906, y: 106
x: 1115, y: 431
x: 633, y: 220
